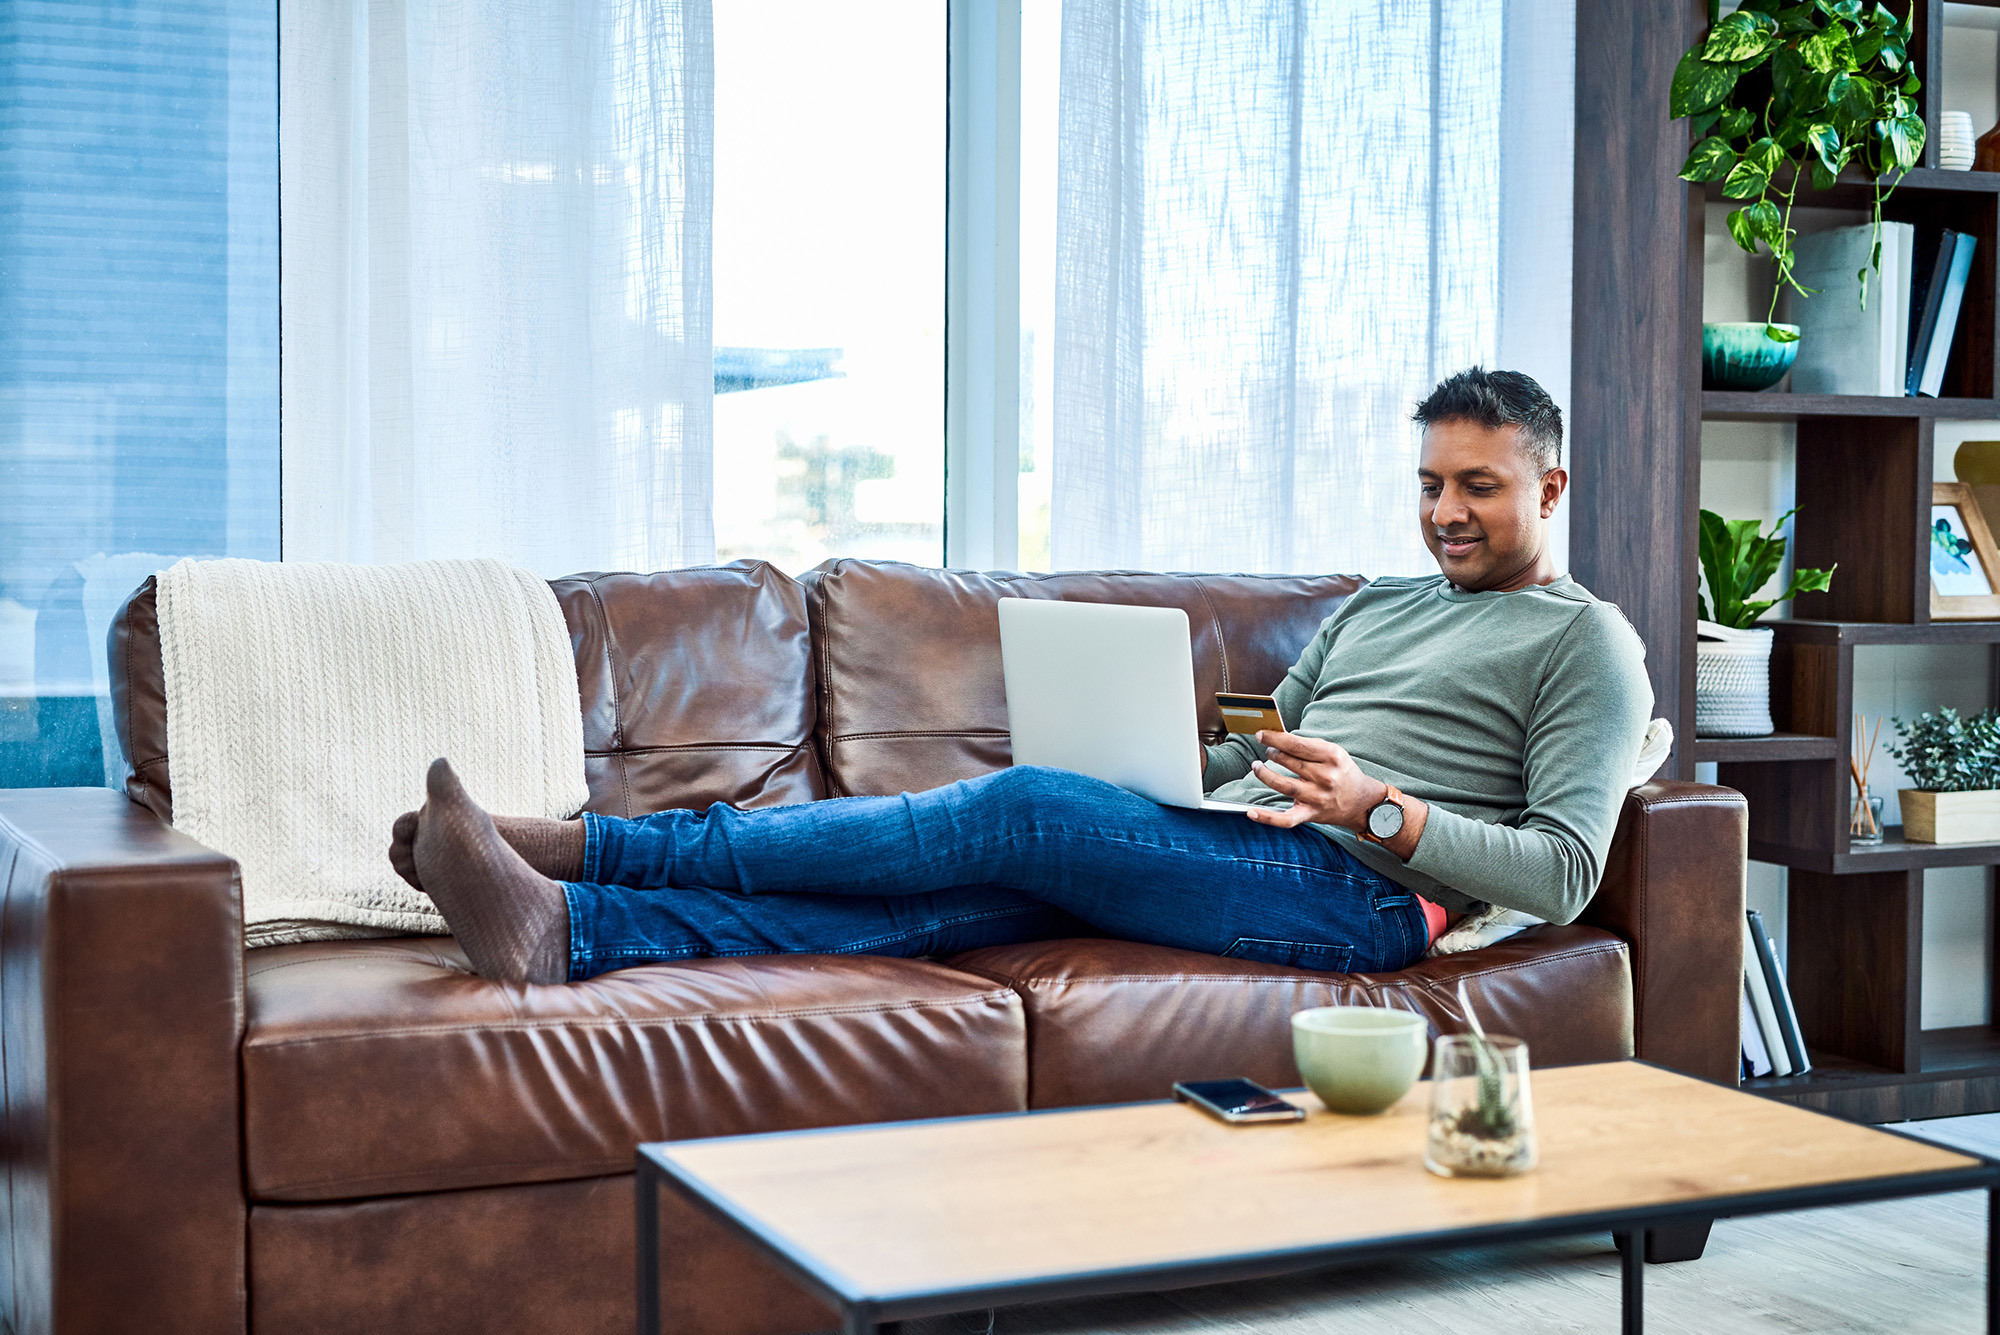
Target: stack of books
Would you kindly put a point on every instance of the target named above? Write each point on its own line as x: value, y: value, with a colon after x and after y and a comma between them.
x: 1772, y: 1043
x: 1898, y: 340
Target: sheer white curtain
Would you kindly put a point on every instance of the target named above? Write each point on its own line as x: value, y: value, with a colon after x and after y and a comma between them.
x: 496, y: 286
x: 1279, y: 223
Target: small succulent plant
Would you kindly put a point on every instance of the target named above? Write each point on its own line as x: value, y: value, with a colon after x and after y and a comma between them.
x: 1492, y: 1116
x: 1943, y: 753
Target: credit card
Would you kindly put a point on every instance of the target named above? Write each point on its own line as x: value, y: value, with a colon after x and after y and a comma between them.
x: 1246, y: 714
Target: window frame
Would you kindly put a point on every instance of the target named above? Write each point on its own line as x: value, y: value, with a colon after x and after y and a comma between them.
x: 983, y: 285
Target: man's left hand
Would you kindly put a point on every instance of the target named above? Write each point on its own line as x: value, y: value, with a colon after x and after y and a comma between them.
x: 1324, y: 783
x: 1328, y: 788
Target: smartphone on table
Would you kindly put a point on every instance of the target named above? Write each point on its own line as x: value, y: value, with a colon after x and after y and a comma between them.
x: 1237, y: 1100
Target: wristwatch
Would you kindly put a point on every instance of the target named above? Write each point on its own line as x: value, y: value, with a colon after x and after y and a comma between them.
x: 1385, y: 818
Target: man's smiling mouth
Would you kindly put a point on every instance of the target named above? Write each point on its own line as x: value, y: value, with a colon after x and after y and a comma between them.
x: 1457, y: 545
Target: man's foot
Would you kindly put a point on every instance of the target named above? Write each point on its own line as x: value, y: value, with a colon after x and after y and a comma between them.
x: 552, y: 847
x: 403, y: 848
x: 512, y: 921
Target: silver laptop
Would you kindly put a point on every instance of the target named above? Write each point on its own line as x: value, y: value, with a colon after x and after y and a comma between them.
x: 1105, y: 690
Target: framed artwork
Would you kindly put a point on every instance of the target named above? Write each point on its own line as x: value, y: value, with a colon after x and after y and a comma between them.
x: 1965, y: 568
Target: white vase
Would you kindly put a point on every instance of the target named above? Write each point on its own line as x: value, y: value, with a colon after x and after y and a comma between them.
x: 1732, y: 681
x: 1957, y: 147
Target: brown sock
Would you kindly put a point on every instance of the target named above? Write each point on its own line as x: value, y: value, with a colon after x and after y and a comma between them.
x: 552, y: 847
x: 403, y: 848
x: 512, y: 921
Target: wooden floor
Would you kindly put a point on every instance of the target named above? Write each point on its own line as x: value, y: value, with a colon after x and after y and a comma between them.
x: 1896, y: 1266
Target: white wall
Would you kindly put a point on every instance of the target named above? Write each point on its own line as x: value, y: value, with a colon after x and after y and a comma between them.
x: 1748, y: 471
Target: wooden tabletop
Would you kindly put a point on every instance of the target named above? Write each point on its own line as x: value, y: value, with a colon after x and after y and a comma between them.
x: 921, y: 1208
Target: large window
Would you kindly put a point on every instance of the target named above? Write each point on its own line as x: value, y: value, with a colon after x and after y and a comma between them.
x: 801, y: 224
x: 138, y: 336
x: 829, y: 250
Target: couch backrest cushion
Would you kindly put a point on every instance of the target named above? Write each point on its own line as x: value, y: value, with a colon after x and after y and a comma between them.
x: 910, y: 691
x: 697, y: 688
x: 696, y: 685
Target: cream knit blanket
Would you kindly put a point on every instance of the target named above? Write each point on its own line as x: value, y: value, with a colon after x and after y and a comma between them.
x: 305, y: 701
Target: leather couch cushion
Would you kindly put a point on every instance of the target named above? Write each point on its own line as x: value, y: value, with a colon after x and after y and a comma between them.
x: 378, y: 1067
x: 545, y: 1258
x: 910, y: 690
x: 697, y: 688
x: 1114, y: 1021
x: 696, y: 685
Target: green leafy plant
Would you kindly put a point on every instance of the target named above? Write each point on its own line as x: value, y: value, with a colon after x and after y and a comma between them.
x: 1780, y: 90
x: 1493, y: 1116
x: 1737, y: 560
x: 1943, y: 753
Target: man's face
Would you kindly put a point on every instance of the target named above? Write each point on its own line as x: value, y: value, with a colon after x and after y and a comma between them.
x: 1483, y: 507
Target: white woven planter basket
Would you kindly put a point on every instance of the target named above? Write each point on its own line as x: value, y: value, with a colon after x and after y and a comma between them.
x: 1732, y: 681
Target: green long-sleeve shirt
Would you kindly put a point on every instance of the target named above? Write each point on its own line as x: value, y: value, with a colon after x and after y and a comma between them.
x: 1516, y: 716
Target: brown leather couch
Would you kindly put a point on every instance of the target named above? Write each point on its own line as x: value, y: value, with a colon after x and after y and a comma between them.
x: 366, y: 1137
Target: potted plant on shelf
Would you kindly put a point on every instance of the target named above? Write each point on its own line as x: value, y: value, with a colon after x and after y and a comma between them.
x: 1954, y: 764
x: 1778, y: 91
x: 1732, y: 677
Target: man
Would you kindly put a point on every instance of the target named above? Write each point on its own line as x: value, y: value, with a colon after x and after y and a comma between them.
x: 1450, y: 740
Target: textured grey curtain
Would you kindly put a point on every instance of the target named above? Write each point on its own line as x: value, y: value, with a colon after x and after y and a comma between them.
x: 1279, y: 223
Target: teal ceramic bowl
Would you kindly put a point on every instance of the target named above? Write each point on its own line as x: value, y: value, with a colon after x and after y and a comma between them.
x: 1739, y: 355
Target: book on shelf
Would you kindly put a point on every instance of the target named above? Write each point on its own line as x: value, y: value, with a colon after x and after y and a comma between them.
x: 1756, y: 1057
x: 1933, y: 250
x: 1762, y: 1010
x: 1937, y: 296
x: 1851, y: 343
x: 1781, y: 994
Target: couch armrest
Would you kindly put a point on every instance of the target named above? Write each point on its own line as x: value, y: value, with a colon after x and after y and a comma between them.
x: 121, y: 1016
x: 1673, y: 888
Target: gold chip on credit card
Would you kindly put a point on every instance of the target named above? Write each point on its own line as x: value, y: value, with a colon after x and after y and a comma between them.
x: 1247, y: 714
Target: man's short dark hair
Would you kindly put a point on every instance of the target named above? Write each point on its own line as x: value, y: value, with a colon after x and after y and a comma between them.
x: 1497, y: 399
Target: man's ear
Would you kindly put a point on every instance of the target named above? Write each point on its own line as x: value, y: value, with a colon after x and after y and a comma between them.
x: 1554, y: 483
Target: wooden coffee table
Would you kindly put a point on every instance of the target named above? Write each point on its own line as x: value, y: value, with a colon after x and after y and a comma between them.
x: 916, y: 1219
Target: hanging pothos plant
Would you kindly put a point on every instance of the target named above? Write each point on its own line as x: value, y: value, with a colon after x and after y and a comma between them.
x: 1807, y: 86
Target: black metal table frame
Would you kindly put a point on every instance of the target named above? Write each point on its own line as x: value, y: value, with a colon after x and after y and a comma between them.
x: 861, y: 1315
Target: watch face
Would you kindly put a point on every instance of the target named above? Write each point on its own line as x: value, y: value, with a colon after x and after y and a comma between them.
x: 1385, y: 820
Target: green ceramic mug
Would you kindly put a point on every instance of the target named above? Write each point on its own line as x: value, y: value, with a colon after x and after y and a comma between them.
x: 1359, y: 1059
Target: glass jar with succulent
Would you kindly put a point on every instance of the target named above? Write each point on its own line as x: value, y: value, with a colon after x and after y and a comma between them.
x: 1482, y: 1121
x: 1732, y: 676
x: 1779, y: 91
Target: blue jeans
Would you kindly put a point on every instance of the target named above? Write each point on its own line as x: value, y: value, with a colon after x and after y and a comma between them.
x: 1021, y: 854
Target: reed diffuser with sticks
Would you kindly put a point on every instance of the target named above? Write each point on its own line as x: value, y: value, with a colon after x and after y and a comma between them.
x: 1865, y: 825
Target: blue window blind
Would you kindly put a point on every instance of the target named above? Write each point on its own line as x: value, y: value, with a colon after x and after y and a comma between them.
x: 138, y: 336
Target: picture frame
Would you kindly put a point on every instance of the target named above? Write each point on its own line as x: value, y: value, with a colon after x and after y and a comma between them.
x: 1964, y: 564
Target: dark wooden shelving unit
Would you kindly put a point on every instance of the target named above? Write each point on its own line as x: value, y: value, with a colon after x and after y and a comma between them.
x: 1864, y: 470
x: 1777, y: 746
x: 1720, y: 405
x: 1892, y: 854
x: 1955, y: 1067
